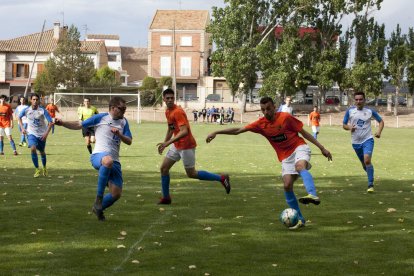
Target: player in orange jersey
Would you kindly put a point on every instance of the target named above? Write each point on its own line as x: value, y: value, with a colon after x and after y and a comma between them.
x: 281, y: 129
x: 315, y: 118
x: 6, y: 124
x: 182, y: 146
x: 52, y: 109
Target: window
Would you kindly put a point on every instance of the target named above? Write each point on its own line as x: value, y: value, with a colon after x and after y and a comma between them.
x: 111, y: 57
x: 165, y: 40
x: 186, y: 66
x: 40, y: 68
x: 20, y: 70
x: 186, y: 41
x: 165, y: 66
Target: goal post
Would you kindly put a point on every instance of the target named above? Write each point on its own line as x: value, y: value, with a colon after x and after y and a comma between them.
x: 72, y: 101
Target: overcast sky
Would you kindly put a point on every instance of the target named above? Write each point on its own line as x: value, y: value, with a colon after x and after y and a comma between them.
x: 130, y: 19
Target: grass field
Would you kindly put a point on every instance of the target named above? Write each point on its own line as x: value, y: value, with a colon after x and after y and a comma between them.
x: 46, y: 227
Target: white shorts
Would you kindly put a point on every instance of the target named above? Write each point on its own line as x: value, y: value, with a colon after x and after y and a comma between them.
x: 5, y: 131
x: 302, y: 152
x: 188, y: 156
x: 315, y: 129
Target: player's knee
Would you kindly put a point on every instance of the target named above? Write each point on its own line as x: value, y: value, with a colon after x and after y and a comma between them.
x: 192, y: 174
x: 300, y: 166
x: 116, y: 194
x: 107, y: 161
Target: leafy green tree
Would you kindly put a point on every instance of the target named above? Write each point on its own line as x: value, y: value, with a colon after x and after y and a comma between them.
x: 105, y: 77
x: 148, y: 91
x: 410, y: 67
x: 46, y: 81
x: 397, y: 61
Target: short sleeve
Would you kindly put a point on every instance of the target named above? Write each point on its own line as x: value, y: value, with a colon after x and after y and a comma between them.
x: 93, y: 121
x: 127, y: 131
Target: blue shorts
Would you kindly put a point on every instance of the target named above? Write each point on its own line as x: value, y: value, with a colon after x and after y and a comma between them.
x: 116, y: 174
x: 36, y: 141
x: 366, y: 148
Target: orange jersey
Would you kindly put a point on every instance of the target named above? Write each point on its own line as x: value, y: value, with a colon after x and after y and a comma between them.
x: 282, y: 133
x: 6, y: 115
x: 176, y: 117
x: 52, y: 109
x: 314, y: 117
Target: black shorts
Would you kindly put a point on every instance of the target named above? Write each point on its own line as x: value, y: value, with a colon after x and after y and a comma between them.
x: 90, y: 131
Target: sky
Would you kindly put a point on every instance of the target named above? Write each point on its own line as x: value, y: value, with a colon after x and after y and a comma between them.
x: 130, y: 19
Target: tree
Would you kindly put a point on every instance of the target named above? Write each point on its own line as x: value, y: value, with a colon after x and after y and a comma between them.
x: 105, y: 77
x: 148, y: 91
x: 397, y: 62
x: 46, y: 81
x: 410, y: 67
x: 70, y: 67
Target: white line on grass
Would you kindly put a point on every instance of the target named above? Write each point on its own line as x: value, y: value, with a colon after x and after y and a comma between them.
x: 118, y: 268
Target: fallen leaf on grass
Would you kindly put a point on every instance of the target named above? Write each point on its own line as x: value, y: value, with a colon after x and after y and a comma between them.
x: 121, y: 238
x: 5, y: 193
x: 401, y: 220
x: 123, y: 233
x: 390, y: 210
x: 33, y: 233
x: 274, y: 265
x: 239, y: 217
x: 49, y: 253
x: 192, y: 267
x: 135, y: 262
x: 207, y: 229
x: 121, y: 246
x: 162, y: 209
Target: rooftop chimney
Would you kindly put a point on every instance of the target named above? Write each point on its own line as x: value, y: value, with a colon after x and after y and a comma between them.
x: 56, y: 30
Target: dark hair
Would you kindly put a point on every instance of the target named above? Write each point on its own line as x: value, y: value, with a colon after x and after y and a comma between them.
x: 359, y: 93
x: 315, y: 106
x: 3, y: 97
x: 35, y: 95
x: 115, y: 101
x: 167, y: 91
x: 266, y: 100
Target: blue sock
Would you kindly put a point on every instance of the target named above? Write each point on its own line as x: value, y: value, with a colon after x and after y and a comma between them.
x: 35, y: 160
x: 315, y: 135
x: 165, y: 185
x: 107, y: 201
x: 1, y: 146
x: 204, y: 175
x: 13, y: 145
x: 370, y: 173
x: 308, y: 182
x: 293, y: 203
x: 22, y: 138
x: 103, y: 177
x: 53, y: 129
x: 43, y: 158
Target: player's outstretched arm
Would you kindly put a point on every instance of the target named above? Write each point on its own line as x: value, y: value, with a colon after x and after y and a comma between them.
x: 74, y: 125
x: 311, y: 139
x: 228, y: 131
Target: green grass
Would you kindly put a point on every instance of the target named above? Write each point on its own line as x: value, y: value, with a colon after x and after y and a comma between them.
x: 46, y: 227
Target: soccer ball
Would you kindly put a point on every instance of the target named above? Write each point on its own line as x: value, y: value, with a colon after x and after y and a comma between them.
x: 289, y: 217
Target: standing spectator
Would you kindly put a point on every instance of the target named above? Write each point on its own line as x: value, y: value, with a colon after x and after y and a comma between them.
x: 195, y: 113
x: 52, y: 109
x: 37, y: 131
x: 85, y: 112
x: 221, y: 114
x: 20, y: 108
x: 231, y: 115
x: 208, y: 114
x: 6, y: 124
x: 286, y: 107
x: 204, y: 113
x: 315, y: 118
x: 182, y: 146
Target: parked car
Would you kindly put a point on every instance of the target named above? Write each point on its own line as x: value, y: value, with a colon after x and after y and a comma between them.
x: 331, y: 100
x: 402, y: 101
x: 213, y: 98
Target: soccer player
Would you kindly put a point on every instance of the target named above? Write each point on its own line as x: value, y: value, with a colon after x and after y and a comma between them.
x: 52, y: 109
x: 183, y: 146
x: 286, y: 107
x: 37, y: 131
x: 111, y: 129
x: 281, y: 130
x: 6, y: 124
x: 357, y: 119
x: 85, y: 112
x: 19, y: 109
x: 315, y: 118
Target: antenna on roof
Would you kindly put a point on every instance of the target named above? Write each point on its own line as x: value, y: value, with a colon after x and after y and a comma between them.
x: 179, y: 3
x: 85, y: 29
x: 63, y: 18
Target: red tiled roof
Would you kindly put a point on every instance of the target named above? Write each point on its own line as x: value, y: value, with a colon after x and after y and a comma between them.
x: 113, y: 48
x: 102, y: 36
x: 184, y: 19
x: 130, y: 53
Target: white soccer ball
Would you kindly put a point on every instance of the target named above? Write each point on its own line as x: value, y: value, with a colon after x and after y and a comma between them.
x: 289, y: 217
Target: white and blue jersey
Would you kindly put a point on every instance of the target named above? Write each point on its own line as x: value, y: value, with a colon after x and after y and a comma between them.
x: 285, y: 108
x: 361, y: 120
x: 37, y: 120
x: 106, y: 141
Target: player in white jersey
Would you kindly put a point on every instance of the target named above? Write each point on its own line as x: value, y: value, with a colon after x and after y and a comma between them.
x: 357, y: 119
x: 110, y: 130
x: 39, y: 124
x: 17, y: 112
x: 286, y: 107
